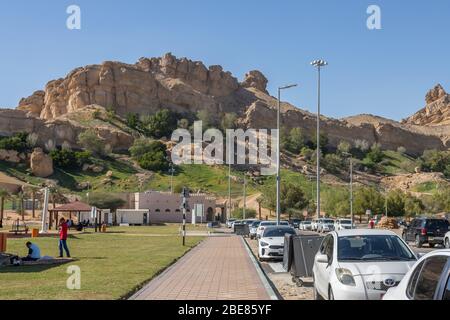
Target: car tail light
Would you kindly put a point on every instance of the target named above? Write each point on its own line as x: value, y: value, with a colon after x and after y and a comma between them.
x: 424, y: 231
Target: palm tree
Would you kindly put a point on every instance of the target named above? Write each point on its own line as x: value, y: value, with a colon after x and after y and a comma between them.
x: 3, y: 195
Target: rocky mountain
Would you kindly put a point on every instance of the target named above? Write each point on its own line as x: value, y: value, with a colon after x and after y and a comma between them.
x: 437, y: 109
x: 61, y: 111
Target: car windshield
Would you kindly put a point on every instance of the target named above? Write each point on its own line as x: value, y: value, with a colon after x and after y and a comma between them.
x: 284, y: 223
x: 345, y: 221
x: 277, y: 232
x: 249, y: 222
x: 256, y: 224
x: 328, y: 221
x: 307, y: 222
x: 268, y: 223
x: 373, y: 248
x: 437, y: 224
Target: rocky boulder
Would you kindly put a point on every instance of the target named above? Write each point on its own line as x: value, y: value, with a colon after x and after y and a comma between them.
x: 10, y: 156
x: 255, y: 79
x: 41, y: 164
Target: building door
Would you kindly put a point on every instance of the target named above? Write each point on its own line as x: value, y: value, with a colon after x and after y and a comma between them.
x: 210, y: 214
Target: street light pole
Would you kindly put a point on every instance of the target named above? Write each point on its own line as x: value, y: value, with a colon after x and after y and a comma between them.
x: 172, y: 170
x: 319, y: 64
x: 278, y: 149
x: 351, y: 190
x: 245, y: 198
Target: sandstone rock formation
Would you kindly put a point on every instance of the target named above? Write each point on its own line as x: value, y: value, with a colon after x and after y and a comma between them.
x: 255, y: 79
x: 437, y: 110
x: 9, y: 156
x: 63, y: 109
x: 41, y: 164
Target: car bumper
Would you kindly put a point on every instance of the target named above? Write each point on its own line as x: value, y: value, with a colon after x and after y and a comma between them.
x: 435, y: 240
x: 359, y: 292
x: 268, y: 253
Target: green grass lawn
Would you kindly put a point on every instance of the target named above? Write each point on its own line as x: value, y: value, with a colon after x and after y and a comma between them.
x: 112, y: 264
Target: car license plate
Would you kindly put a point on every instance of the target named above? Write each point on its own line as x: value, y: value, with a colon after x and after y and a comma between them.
x: 280, y: 252
x: 435, y: 239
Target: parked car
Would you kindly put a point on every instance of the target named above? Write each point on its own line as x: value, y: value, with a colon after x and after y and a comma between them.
x: 447, y: 240
x: 271, y: 243
x: 426, y: 230
x: 429, y: 279
x: 360, y: 264
x: 314, y: 225
x: 306, y: 226
x: 343, y: 224
x: 253, y: 229
x: 325, y: 225
x: 265, y: 224
x: 295, y: 223
x: 230, y: 223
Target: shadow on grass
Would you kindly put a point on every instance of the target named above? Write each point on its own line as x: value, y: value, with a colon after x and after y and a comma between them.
x: 32, y: 268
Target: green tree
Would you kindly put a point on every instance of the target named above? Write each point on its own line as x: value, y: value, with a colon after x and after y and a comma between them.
x: 336, y: 202
x: 90, y: 141
x: 344, y: 147
x: 151, y: 155
x: 333, y: 163
x: 375, y: 155
x: 161, y: 124
x: 441, y: 200
x: 293, y: 199
x: 413, y: 206
x: 229, y: 121
x: 133, y: 121
x: 295, y: 141
x: 368, y: 198
x: 435, y: 161
x: 207, y: 119
x: 396, y: 203
x: 323, y: 142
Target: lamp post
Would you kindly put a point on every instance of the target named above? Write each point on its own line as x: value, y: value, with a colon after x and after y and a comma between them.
x: 245, y: 198
x: 351, y: 186
x: 278, y: 148
x: 172, y: 171
x: 229, y: 182
x: 318, y: 64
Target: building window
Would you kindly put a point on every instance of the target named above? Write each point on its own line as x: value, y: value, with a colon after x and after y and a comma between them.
x: 178, y: 211
x: 157, y: 210
x: 167, y: 210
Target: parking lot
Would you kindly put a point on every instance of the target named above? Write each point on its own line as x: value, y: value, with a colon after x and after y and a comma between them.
x: 283, y: 281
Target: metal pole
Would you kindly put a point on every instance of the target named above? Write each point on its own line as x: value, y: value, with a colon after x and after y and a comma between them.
x: 184, y: 216
x: 245, y: 198
x: 278, y: 157
x: 351, y: 190
x: 229, y: 184
x: 318, y: 143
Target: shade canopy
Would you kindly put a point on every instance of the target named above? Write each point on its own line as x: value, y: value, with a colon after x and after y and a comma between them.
x: 76, y: 206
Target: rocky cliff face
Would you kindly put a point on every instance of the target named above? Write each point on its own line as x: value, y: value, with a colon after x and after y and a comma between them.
x: 437, y: 110
x: 188, y: 86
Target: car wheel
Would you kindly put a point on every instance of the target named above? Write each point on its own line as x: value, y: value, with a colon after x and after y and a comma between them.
x: 418, y: 242
x: 447, y: 243
x: 431, y: 245
x: 330, y: 294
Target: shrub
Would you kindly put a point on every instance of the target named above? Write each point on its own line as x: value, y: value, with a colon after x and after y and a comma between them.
x: 90, y: 141
x: 68, y: 159
x: 151, y: 155
x: 18, y: 142
x: 161, y: 124
x: 133, y: 121
x: 295, y: 141
x: 435, y: 161
x: 333, y: 163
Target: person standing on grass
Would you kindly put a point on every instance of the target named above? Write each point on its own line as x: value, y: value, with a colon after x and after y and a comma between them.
x: 63, y: 228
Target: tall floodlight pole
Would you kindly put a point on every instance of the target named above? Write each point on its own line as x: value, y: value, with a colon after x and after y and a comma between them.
x: 245, y: 198
x: 172, y: 170
x: 318, y: 64
x: 229, y: 182
x: 351, y: 191
x: 278, y: 149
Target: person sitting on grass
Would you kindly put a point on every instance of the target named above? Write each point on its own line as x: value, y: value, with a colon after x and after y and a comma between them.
x: 34, y: 253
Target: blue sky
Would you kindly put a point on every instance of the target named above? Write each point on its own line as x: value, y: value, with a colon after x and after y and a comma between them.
x: 384, y: 72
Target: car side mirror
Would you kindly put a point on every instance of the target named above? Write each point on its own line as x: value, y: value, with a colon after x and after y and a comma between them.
x: 322, y: 258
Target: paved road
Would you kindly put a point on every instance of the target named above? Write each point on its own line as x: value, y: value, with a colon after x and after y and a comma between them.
x: 220, y: 268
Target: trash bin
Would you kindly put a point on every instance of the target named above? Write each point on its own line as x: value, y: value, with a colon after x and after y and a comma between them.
x: 288, y: 253
x: 242, y: 229
x: 35, y: 233
x: 305, y: 249
x: 3, y: 240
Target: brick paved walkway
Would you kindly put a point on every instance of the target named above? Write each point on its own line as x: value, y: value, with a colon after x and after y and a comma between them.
x: 218, y: 269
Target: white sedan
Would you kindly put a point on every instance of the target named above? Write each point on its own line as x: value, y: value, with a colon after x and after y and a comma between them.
x: 360, y: 264
x: 429, y: 279
x: 342, y: 224
x: 271, y: 243
x: 264, y: 224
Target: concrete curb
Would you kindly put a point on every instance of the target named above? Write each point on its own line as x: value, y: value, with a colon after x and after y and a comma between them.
x: 262, y: 275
